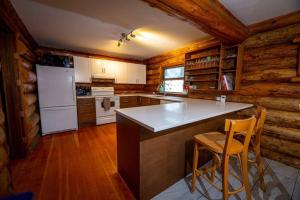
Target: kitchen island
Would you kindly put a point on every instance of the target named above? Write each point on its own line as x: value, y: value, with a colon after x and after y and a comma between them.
x: 154, y: 143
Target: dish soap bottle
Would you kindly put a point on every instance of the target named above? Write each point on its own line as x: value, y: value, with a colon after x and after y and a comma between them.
x: 161, y: 88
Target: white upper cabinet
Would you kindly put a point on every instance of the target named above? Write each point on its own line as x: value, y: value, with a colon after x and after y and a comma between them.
x: 120, y: 72
x: 125, y: 73
x: 97, y: 65
x: 82, y: 69
x: 136, y: 73
x: 104, y: 67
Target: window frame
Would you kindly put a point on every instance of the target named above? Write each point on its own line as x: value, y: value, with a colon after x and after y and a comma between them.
x: 166, y: 79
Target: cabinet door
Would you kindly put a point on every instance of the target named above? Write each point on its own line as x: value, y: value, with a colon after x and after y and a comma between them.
x: 86, y: 111
x: 131, y: 73
x: 136, y: 73
x: 82, y: 69
x: 97, y: 66
x: 109, y: 67
x: 141, y: 74
x: 121, y: 72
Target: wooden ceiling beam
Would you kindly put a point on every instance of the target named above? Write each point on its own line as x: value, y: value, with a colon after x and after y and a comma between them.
x: 208, y: 15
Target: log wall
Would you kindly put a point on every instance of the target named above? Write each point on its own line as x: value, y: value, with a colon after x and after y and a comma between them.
x: 25, y: 59
x: 5, y: 180
x: 173, y: 58
x: 269, y: 64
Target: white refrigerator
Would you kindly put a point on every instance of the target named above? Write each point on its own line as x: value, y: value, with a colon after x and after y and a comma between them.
x: 57, y: 99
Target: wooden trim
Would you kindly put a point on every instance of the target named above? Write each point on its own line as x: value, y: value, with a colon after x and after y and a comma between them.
x: 208, y: 15
x: 275, y: 23
x: 239, y: 66
x: 9, y: 15
x: 43, y: 49
x: 11, y: 89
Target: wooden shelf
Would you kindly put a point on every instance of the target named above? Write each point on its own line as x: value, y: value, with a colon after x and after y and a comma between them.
x: 203, y: 80
x: 214, y: 67
x: 228, y: 70
x: 231, y: 57
x: 204, y: 56
x: 202, y: 73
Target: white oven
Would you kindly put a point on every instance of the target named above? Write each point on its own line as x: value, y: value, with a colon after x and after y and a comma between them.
x: 105, y: 113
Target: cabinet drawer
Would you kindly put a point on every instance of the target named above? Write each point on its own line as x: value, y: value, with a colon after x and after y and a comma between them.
x: 128, y: 101
x: 86, y: 112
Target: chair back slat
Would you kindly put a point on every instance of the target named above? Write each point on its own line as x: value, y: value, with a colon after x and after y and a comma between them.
x: 237, y: 126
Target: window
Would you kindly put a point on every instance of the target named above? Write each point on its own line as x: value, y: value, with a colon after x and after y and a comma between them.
x: 174, y: 79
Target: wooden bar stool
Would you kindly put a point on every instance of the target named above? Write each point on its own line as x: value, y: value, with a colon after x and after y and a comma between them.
x: 226, y: 146
x: 261, y: 114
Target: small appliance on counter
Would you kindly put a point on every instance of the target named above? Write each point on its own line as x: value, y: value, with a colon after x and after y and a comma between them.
x: 83, y: 90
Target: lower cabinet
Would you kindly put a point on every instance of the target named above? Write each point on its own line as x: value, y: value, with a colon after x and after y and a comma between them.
x: 128, y: 101
x: 135, y: 101
x: 86, y: 112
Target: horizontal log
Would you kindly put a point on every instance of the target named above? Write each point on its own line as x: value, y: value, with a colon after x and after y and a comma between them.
x: 270, y: 89
x: 281, y: 145
x: 2, y: 136
x: 275, y: 63
x: 25, y: 64
x: 28, y: 111
x: 277, y: 103
x: 270, y: 52
x: 275, y: 23
x: 269, y: 75
x: 21, y: 47
x: 28, y: 88
x: 32, y: 134
x: 276, y: 117
x: 291, y: 134
x: 31, y: 122
x: 28, y: 100
x: 27, y: 76
x: 277, y: 36
x: 284, y: 158
x: 284, y: 118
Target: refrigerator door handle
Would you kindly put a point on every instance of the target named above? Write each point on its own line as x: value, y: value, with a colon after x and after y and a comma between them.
x: 57, y: 108
x: 73, y: 86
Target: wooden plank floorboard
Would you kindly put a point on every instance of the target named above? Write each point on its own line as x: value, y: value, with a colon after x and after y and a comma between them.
x: 73, y: 165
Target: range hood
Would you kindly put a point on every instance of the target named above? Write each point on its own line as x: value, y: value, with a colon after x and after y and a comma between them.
x: 103, y: 78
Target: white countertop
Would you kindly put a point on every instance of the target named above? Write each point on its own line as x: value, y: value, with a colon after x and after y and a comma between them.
x: 161, y: 117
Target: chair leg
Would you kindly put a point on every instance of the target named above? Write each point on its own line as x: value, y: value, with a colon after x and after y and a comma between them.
x: 195, y: 165
x: 213, y: 170
x: 225, y: 171
x: 259, y: 167
x: 245, y: 174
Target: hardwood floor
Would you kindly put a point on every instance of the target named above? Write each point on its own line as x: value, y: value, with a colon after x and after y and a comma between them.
x: 73, y: 165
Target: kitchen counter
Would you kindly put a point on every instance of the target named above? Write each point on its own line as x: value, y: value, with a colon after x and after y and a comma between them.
x: 84, y: 97
x: 185, y: 111
x: 155, y: 143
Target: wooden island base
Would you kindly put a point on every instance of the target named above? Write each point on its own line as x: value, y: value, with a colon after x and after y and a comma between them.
x: 150, y: 162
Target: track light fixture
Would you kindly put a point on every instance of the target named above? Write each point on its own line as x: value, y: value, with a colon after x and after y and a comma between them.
x: 125, y: 37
